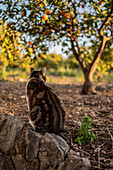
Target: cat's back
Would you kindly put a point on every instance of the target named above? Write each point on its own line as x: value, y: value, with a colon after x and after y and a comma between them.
x: 46, y: 110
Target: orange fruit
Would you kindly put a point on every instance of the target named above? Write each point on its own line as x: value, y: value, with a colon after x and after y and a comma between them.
x: 108, y: 67
x: 83, y: 5
x: 27, y: 48
x: 22, y: 14
x: 48, y: 12
x: 68, y: 15
x: 111, y: 64
x: 45, y: 17
x: 41, y: 55
x: 74, y: 20
x: 78, y: 4
x: 100, y: 2
x: 8, y: 24
x: 34, y: 14
x: 34, y: 47
x: 61, y: 12
x: 30, y: 43
x: 45, y: 33
x: 42, y: 5
x: 51, y: 29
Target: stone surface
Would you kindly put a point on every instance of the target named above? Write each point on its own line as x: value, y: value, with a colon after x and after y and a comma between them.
x: 73, y: 162
x: 19, y: 162
x: 33, y: 165
x: 52, y: 151
x: 32, y: 144
x: 10, y: 130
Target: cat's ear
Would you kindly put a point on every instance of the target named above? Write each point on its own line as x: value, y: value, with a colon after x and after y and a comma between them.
x: 32, y: 69
x: 43, y: 70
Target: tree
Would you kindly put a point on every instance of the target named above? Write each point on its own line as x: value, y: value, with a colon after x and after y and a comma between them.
x: 71, y: 62
x: 8, y: 48
x: 50, y: 60
x: 72, y: 23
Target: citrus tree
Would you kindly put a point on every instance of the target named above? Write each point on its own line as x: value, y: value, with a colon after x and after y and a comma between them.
x: 10, y: 50
x: 51, y: 60
x: 73, y: 24
x: 9, y: 54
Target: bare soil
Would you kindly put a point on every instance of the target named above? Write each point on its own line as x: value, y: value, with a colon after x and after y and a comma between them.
x: 99, y: 107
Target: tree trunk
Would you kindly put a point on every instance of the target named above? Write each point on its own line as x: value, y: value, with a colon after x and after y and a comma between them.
x: 88, y: 86
x: 4, y: 72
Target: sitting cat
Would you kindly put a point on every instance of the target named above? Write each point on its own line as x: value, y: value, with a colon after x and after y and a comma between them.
x: 46, y: 113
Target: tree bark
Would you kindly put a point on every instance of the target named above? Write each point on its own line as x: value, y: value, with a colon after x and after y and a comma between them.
x: 88, y: 86
x: 4, y: 72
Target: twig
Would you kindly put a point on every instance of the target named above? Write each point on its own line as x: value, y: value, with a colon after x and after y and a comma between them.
x: 77, y: 149
x: 99, y: 147
x: 104, y: 165
x: 98, y: 150
x: 99, y: 157
x: 110, y: 136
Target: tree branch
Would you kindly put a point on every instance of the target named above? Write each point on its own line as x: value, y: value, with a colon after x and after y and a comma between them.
x: 78, y: 57
x: 107, y: 19
x: 14, y: 39
x: 104, y: 41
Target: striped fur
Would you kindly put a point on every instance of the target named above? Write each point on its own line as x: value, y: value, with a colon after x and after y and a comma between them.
x: 46, y: 113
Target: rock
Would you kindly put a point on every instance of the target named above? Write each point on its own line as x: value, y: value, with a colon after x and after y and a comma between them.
x: 20, y: 146
x: 52, y: 151
x: 33, y: 165
x: 7, y: 163
x: 32, y: 144
x: 19, y: 162
x: 74, y: 162
x: 10, y: 131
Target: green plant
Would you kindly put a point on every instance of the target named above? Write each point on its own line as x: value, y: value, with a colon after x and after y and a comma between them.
x: 85, y: 131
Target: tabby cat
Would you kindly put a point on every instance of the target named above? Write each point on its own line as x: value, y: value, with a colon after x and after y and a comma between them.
x: 46, y: 112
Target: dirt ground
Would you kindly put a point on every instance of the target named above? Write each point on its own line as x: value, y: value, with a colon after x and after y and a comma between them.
x: 99, y: 107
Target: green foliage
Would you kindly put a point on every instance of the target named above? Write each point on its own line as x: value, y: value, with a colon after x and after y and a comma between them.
x: 85, y: 132
x: 50, y: 60
x: 71, y: 62
x: 67, y: 19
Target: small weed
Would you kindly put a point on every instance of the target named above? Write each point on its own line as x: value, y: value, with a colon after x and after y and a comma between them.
x: 85, y: 131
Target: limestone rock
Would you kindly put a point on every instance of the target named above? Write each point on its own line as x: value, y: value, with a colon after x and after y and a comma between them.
x: 33, y: 165
x: 32, y: 144
x: 10, y: 130
x: 52, y: 151
x: 74, y: 162
x: 19, y: 162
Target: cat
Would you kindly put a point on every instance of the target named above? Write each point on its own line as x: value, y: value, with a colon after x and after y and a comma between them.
x: 46, y: 113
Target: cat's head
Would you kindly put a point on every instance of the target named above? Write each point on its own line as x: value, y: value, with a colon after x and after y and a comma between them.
x: 38, y: 74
